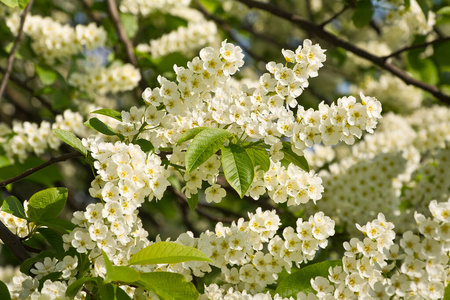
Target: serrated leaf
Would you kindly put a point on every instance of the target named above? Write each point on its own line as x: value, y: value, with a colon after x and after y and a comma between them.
x: 167, y: 253
x: 47, y: 76
x: 101, y: 127
x: 54, y: 239
x: 204, y: 145
x: 238, y: 168
x: 145, y: 145
x: 109, y: 113
x: 293, y: 158
x: 259, y: 157
x: 46, y: 204
x: 168, y: 285
x: 119, y: 273
x: 300, y: 281
x: 192, y: 201
x: 72, y: 290
x: 4, y: 292
x: 13, y: 206
x: 190, y: 134
x: 363, y: 13
x: 71, y: 139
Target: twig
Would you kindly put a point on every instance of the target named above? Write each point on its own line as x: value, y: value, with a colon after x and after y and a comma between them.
x: 12, y: 241
x: 11, y: 56
x: 326, y: 22
x: 52, y: 161
x: 336, y: 41
x: 422, y: 45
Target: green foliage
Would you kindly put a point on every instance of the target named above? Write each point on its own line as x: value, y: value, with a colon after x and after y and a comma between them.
x: 192, y: 201
x: 54, y: 239
x: 60, y: 225
x: 73, y: 289
x: 130, y: 24
x: 13, y: 206
x: 204, y: 145
x: 190, y: 134
x: 145, y: 145
x: 167, y: 253
x: 119, y: 273
x: 109, y: 113
x: 70, y: 139
x: 259, y: 156
x: 293, y: 158
x: 168, y: 285
x: 238, y: 168
x: 13, y: 3
x: 45, y: 177
x: 4, y: 292
x: 46, y: 204
x: 300, y: 281
x: 101, y: 127
x: 447, y: 292
x: 48, y: 76
x: 363, y: 13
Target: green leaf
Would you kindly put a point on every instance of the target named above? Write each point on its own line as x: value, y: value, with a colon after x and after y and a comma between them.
x: 13, y: 206
x: 204, y: 145
x: 109, y: 113
x: 54, y: 239
x: 47, y: 76
x: 192, y: 201
x: 447, y: 292
x: 72, y: 290
x: 210, y: 5
x: 300, y: 281
x: 52, y: 276
x: 424, y: 7
x: 101, y: 127
x: 4, y: 292
x: 130, y: 24
x: 13, y: 3
x: 238, y: 168
x: 145, y: 145
x: 168, y: 285
x: 190, y: 134
x: 4, y: 161
x: 444, y: 11
x: 259, y: 156
x: 167, y: 253
x: 363, y: 13
x: 119, y: 273
x: 46, y: 204
x: 70, y: 139
x: 60, y: 225
x: 291, y: 157
x: 407, y: 4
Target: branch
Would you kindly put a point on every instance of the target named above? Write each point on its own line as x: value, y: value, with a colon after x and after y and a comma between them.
x: 422, y: 45
x: 12, y: 241
x: 323, y: 24
x: 114, y: 15
x: 14, y: 48
x: 52, y: 161
x: 338, y: 42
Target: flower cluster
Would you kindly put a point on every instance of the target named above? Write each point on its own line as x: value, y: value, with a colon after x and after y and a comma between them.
x: 56, y: 41
x: 147, y: 7
x: 183, y: 39
x: 99, y: 80
x: 27, y: 137
x: 411, y: 18
x: 369, y: 265
x: 392, y: 92
x: 317, y: 156
x: 239, y: 252
x: 16, y: 225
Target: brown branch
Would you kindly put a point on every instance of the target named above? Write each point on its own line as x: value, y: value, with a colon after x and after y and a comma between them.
x: 336, y: 15
x: 117, y: 23
x: 422, y: 45
x: 52, y: 161
x: 11, y: 56
x: 12, y: 241
x: 338, y: 42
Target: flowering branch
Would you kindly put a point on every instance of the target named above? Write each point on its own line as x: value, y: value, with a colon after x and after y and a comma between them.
x: 335, y: 40
x: 422, y: 45
x: 323, y: 24
x: 14, y: 49
x: 12, y: 241
x: 53, y: 160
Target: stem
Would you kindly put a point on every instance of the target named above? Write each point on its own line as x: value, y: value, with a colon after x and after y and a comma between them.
x: 11, y: 56
x: 52, y: 161
x: 12, y: 241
